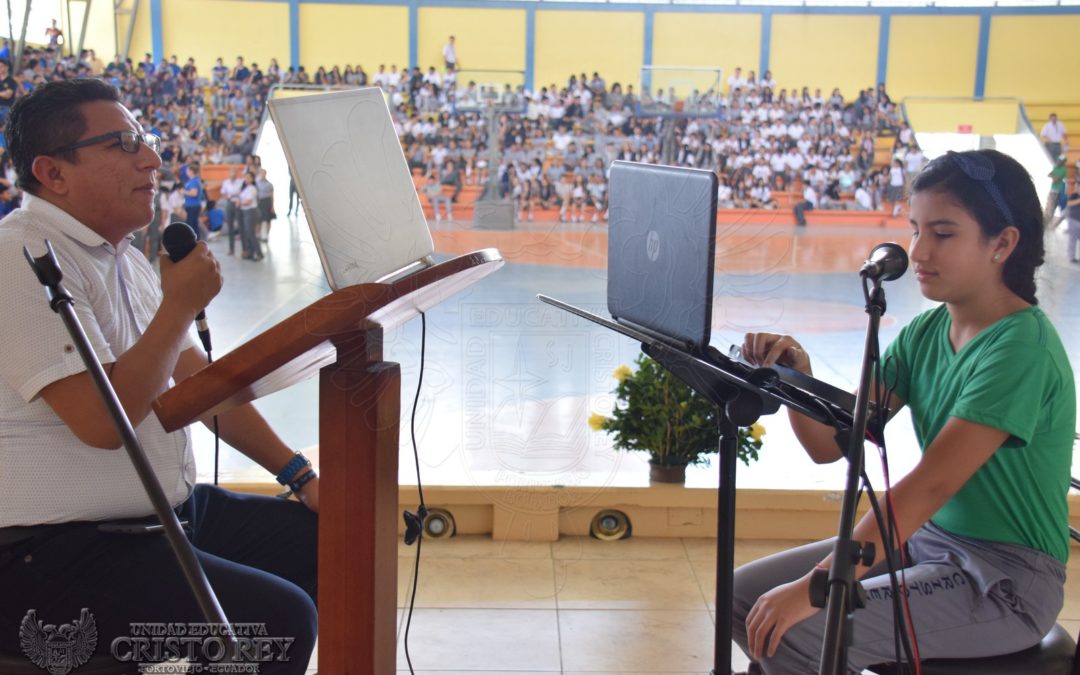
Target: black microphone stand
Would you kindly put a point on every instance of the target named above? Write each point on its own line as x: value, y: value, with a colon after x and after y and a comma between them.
x: 48, y: 273
x: 842, y: 593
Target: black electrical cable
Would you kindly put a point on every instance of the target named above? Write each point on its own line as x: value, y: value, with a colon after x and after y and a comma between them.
x: 217, y: 434
x: 887, y: 526
x: 911, y: 641
x: 900, y: 635
x: 419, y: 488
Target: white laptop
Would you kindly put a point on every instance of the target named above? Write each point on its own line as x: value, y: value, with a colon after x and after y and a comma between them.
x: 356, y: 187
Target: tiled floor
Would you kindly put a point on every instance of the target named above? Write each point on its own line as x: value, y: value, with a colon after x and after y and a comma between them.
x: 578, y: 605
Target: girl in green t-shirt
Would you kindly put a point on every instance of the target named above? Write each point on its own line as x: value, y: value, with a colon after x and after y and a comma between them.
x: 983, y: 515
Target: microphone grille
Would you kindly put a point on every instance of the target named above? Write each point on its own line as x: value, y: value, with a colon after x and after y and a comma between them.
x: 178, y: 239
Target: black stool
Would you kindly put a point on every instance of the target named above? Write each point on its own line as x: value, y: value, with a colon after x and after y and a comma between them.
x: 1053, y: 656
x: 18, y: 664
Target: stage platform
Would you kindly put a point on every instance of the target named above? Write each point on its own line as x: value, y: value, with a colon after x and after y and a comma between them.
x: 548, y: 513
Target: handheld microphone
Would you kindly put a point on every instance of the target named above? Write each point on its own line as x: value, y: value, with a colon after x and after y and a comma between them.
x: 179, y: 240
x: 887, y: 262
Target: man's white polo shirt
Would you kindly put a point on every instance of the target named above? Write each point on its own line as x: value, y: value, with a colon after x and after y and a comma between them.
x: 1053, y: 131
x: 46, y: 474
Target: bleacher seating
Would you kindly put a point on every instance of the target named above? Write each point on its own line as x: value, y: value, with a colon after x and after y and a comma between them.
x: 224, y: 113
x: 464, y: 208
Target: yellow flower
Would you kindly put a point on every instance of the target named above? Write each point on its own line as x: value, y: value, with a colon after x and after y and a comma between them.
x: 622, y: 372
x: 596, y: 421
x: 757, y: 431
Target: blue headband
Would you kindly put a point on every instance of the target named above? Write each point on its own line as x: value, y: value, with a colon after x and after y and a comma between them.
x: 979, y: 167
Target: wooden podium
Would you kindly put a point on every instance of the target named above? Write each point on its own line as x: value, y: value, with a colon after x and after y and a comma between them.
x: 341, y: 336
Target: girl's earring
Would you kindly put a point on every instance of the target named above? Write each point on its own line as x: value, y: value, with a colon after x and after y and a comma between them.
x: 997, y: 257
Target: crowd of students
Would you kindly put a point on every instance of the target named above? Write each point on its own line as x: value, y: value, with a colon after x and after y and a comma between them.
x: 554, y: 144
x: 556, y: 148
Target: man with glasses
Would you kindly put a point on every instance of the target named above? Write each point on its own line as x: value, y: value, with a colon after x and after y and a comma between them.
x: 89, y: 174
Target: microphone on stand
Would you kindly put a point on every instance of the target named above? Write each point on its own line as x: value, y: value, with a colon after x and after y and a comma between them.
x: 887, y: 262
x: 179, y: 240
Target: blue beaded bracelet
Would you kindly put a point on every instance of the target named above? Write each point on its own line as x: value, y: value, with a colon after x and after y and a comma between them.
x: 294, y: 466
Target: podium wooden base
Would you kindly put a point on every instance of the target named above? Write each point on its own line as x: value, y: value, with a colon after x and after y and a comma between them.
x: 340, y: 335
x: 359, y: 408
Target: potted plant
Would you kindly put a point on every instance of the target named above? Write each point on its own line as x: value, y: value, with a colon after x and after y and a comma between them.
x: 658, y: 413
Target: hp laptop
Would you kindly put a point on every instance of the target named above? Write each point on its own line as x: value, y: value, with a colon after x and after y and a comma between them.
x: 661, y: 260
x: 661, y: 246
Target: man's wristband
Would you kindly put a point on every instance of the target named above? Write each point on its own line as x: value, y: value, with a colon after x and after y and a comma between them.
x: 300, y: 482
x: 294, y: 466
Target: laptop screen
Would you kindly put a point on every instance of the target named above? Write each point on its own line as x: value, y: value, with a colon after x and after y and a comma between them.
x: 355, y: 185
x: 661, y: 243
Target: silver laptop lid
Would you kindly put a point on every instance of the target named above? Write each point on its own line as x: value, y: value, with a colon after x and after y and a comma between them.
x: 356, y: 187
x: 661, y: 243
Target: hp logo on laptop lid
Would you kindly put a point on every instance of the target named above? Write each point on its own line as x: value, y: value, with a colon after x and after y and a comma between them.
x: 652, y: 245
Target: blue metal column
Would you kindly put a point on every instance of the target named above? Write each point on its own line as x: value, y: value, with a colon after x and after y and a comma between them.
x: 414, y: 33
x: 766, y: 41
x: 980, y: 59
x: 647, y: 51
x: 294, y: 33
x: 530, y: 48
x: 157, y: 43
x: 883, y: 48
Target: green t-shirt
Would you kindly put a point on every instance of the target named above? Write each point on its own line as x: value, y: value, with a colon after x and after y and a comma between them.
x: 1058, y: 174
x: 1013, y: 376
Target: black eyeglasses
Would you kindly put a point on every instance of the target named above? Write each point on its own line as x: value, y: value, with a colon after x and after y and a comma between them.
x: 130, y: 141
x: 981, y: 168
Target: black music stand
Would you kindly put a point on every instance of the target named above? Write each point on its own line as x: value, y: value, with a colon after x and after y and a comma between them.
x: 740, y: 404
x: 742, y: 393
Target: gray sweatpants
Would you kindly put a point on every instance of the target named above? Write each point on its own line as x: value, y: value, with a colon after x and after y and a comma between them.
x: 968, y: 598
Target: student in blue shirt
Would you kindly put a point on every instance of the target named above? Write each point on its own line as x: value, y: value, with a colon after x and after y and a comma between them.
x: 194, y: 194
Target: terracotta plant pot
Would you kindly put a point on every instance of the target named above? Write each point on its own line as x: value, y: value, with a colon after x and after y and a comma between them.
x: 659, y: 473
